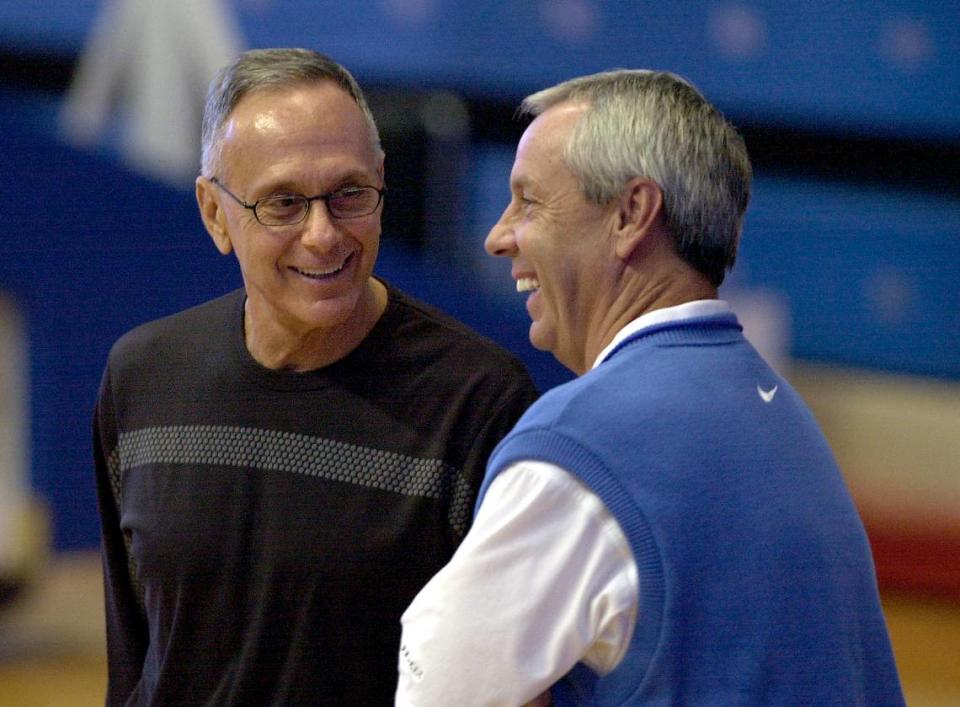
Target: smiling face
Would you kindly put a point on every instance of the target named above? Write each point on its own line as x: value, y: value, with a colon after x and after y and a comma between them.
x: 312, y: 279
x: 558, y: 240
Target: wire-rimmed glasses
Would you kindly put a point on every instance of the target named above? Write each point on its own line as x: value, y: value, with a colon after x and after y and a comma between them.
x: 291, y: 209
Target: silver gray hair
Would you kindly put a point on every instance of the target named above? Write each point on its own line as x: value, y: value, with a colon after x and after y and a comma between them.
x: 268, y: 68
x: 655, y: 124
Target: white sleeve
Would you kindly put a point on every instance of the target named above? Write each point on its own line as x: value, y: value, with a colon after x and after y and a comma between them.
x: 545, y: 578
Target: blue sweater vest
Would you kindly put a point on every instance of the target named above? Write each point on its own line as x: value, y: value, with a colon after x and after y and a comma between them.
x: 757, y: 585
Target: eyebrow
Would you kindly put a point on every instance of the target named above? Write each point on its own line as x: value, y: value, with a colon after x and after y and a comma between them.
x: 356, y: 177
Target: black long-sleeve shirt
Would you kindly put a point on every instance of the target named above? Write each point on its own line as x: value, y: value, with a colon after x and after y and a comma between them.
x: 263, y: 531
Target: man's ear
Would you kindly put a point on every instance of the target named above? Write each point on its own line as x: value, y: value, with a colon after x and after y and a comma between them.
x: 641, y: 205
x: 213, y: 215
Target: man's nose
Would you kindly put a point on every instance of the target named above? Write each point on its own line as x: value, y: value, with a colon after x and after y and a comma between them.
x: 319, y: 227
x: 500, y: 240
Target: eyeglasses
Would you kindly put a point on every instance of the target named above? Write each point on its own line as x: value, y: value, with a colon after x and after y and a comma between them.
x: 291, y: 209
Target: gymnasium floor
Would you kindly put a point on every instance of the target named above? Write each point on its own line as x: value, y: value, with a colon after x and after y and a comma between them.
x: 51, y: 642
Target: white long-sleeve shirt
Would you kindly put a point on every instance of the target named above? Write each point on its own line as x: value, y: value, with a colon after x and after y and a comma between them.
x: 544, y: 579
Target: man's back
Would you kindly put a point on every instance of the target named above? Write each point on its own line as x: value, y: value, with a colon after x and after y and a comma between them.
x: 756, y: 582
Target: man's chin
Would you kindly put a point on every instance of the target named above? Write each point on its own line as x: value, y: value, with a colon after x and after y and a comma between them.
x: 539, y: 338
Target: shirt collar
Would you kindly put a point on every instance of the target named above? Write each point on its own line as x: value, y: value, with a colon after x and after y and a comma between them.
x: 679, y: 312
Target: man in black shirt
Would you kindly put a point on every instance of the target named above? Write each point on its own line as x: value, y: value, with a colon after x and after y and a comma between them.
x: 280, y: 470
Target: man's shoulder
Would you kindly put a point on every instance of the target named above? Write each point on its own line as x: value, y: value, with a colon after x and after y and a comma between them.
x: 184, y: 330
x: 562, y: 398
x: 588, y: 398
x: 451, y: 338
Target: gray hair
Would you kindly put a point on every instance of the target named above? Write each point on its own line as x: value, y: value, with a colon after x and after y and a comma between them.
x: 657, y: 125
x: 268, y: 68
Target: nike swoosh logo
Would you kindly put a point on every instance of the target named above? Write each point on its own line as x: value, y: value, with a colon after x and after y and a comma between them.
x: 767, y: 395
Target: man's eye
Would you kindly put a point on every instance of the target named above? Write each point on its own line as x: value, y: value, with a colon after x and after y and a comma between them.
x: 280, y: 206
x: 350, y: 193
x: 353, y: 201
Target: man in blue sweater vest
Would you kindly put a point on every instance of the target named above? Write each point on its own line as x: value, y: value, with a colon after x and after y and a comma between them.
x: 670, y: 527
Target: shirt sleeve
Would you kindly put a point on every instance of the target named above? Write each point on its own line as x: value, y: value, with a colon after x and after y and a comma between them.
x: 127, y: 633
x: 544, y: 579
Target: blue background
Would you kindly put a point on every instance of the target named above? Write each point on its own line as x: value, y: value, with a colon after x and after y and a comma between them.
x: 868, y: 268
x: 873, y: 66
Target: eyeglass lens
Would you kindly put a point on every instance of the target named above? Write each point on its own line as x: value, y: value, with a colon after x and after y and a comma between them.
x: 346, y: 203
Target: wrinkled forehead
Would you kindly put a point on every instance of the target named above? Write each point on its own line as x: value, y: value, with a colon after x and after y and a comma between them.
x: 311, y: 119
x: 541, y: 147
x: 272, y: 112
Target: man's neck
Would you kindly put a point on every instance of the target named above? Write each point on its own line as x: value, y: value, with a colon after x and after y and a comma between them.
x: 640, y: 295
x: 278, y: 348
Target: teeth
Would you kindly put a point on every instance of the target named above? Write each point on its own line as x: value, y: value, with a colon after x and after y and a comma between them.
x: 525, y: 284
x: 320, y: 273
